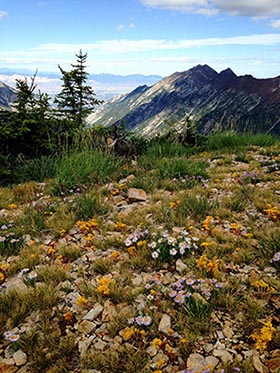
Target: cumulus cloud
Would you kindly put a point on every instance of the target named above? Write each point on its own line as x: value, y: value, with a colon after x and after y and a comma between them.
x: 251, y: 8
x: 3, y: 14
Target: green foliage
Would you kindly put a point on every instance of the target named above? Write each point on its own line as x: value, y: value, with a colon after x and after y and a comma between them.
x: 79, y: 169
x: 76, y: 100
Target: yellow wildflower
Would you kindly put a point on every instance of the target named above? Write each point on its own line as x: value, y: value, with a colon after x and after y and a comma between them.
x: 82, y: 301
x: 157, y: 343
x: 141, y: 243
x: 103, y: 285
x: 263, y: 336
x: 131, y: 250
x: 272, y: 211
x: 2, y: 277
x: 120, y: 227
x: 128, y: 333
x: 12, y: 206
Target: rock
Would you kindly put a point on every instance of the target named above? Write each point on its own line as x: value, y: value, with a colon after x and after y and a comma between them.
x: 181, y: 267
x: 94, y: 312
x: 227, y: 331
x: 136, y: 195
x: 196, y: 362
x: 151, y: 351
x: 208, y: 347
x: 84, y: 344
x: 258, y: 365
x: 224, y: 356
x: 212, y: 361
x: 159, y: 361
x: 100, y: 345
x: 20, y: 358
x: 165, y: 324
x: 274, y: 364
x: 108, y: 311
x: 86, y: 327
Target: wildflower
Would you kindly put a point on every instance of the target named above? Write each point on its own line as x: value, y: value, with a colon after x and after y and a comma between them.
x: 120, y: 227
x: 157, y: 343
x: 115, y: 254
x: 155, y: 254
x: 173, y: 252
x: 11, y: 336
x: 32, y: 275
x: 68, y: 316
x: 141, y: 243
x: 128, y: 333
x: 12, y: 206
x: 263, y: 336
x: 62, y: 232
x: 103, y: 285
x: 172, y: 293
x: 82, y: 301
x: 276, y: 257
x: 152, y: 245
x: 180, y: 297
x: 131, y: 250
x: 146, y: 320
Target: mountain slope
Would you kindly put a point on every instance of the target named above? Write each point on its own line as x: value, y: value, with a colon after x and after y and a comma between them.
x: 211, y: 99
x: 7, y: 96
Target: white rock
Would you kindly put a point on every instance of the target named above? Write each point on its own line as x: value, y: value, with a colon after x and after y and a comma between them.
x: 224, y: 355
x: 20, y: 358
x: 94, y: 312
x: 181, y: 267
x: 165, y: 324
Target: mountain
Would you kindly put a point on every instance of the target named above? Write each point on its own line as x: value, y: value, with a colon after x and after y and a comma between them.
x: 212, y: 100
x: 7, y: 96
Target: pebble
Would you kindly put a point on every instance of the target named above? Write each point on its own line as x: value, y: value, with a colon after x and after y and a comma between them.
x: 20, y: 357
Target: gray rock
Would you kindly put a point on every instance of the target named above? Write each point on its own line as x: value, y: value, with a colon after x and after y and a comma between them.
x: 181, y: 267
x: 224, y: 356
x: 196, y: 361
x: 136, y: 195
x: 86, y: 327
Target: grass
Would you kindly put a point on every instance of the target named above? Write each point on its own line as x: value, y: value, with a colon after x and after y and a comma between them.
x: 211, y: 202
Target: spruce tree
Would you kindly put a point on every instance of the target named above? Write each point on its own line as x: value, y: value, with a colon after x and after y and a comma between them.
x: 76, y: 99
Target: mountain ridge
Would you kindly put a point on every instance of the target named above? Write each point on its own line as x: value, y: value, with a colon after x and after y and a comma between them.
x: 209, y: 98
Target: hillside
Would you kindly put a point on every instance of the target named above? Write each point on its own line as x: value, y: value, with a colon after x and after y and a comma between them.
x: 212, y: 100
x: 7, y: 96
x: 167, y: 264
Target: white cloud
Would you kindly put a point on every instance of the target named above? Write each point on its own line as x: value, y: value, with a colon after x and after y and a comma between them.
x: 251, y: 8
x: 275, y: 24
x: 123, y: 46
x: 3, y: 14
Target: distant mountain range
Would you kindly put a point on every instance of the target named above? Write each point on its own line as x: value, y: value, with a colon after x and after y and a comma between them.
x: 212, y: 100
x: 105, y: 86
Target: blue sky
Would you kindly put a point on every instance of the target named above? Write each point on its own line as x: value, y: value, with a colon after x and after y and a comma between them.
x: 142, y: 36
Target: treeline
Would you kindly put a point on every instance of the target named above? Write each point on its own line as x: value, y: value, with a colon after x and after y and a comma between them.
x: 36, y: 126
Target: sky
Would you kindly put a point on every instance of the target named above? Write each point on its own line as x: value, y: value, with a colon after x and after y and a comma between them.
x: 142, y: 36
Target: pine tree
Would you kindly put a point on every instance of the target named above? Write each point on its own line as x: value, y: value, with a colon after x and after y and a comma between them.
x: 77, y: 99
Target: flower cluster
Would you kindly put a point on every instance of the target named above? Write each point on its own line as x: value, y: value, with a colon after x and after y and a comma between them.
x: 87, y: 226
x: 185, y: 287
x: 82, y: 301
x: 211, y: 266
x: 120, y: 227
x: 104, y: 285
x: 261, y: 286
x: 272, y: 211
x: 167, y: 247
x: 141, y: 320
x: 263, y: 336
x: 11, y: 335
x: 9, y: 240
x: 135, y: 241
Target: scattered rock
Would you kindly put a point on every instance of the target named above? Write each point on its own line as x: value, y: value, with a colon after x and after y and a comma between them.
x: 181, y: 267
x: 258, y: 365
x: 86, y: 327
x: 197, y: 361
x: 136, y: 195
x: 224, y: 356
x: 94, y: 312
x: 20, y: 358
x: 165, y: 324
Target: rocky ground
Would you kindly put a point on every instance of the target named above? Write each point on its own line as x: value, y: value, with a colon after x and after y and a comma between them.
x: 177, y: 279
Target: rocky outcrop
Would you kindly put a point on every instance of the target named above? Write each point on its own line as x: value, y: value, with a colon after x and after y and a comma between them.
x: 212, y: 100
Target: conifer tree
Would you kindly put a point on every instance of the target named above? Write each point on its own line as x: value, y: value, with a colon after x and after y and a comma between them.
x: 76, y: 99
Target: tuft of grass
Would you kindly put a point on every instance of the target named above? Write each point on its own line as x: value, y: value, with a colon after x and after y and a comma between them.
x: 81, y: 168
x: 38, y: 169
